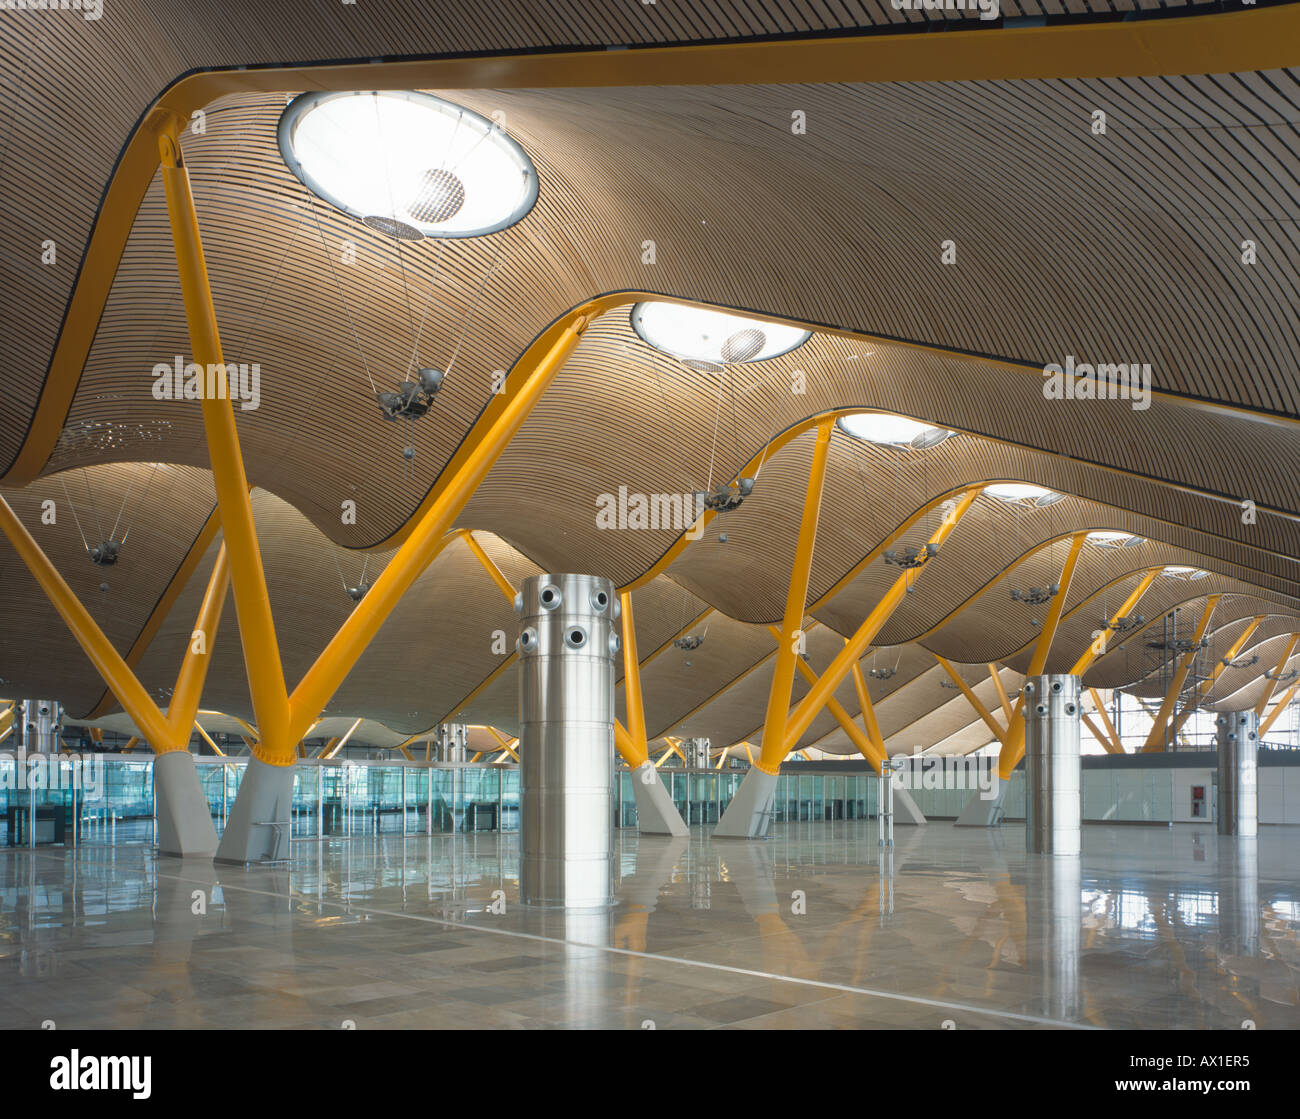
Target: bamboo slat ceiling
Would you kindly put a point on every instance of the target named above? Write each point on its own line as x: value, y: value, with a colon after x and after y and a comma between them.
x: 1113, y: 248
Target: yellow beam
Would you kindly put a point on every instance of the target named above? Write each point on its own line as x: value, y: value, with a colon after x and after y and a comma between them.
x: 1013, y: 747
x: 983, y: 712
x: 1207, y: 685
x: 252, y: 603
x: 410, y: 560
x: 344, y: 740
x: 996, y: 676
x: 722, y: 757
x: 498, y: 577
x: 184, y: 703
x: 508, y: 744
x: 112, y: 669
x: 1156, y: 739
x: 1287, y: 696
x: 865, y: 747
x: 130, y: 744
x: 868, y: 711
x: 1098, y: 647
x: 208, y: 739
x: 1106, y: 743
x: 632, y: 686
x: 815, y: 700
x: 773, y: 749
x: 1107, y: 725
x: 1271, y: 684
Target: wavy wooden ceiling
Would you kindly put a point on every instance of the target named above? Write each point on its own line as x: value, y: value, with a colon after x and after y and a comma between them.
x: 1122, y: 247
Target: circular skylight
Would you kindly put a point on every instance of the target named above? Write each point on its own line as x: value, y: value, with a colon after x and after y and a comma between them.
x: 893, y: 431
x: 716, y: 337
x: 1108, y: 539
x: 408, y: 164
x: 1180, y: 571
x: 1022, y: 492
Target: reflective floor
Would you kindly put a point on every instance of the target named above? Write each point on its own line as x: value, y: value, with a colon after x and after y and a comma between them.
x: 1153, y: 928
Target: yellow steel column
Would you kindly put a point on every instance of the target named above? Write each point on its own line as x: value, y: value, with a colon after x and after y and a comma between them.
x: 983, y: 712
x: 332, y: 666
x: 811, y: 704
x: 498, y: 576
x: 1270, y: 685
x: 1093, y: 651
x: 1013, y: 746
x: 184, y: 703
x: 865, y: 746
x: 773, y: 749
x: 1156, y: 739
x: 632, y: 686
x: 1106, y: 723
x: 868, y: 712
x: 252, y: 603
x: 995, y: 675
x: 1207, y: 685
x: 1281, y: 706
x: 113, y: 670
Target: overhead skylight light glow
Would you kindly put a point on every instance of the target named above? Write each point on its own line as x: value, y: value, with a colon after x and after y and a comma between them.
x: 702, y: 334
x: 1181, y: 571
x: 1108, y: 539
x: 405, y: 161
x: 895, y: 431
x: 1022, y: 492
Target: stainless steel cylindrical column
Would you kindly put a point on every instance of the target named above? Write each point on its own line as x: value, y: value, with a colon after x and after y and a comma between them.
x: 568, y: 643
x: 1053, y: 807
x: 41, y: 719
x: 1238, y: 797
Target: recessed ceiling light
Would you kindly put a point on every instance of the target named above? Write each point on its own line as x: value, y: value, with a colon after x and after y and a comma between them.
x: 699, y: 334
x: 1022, y: 493
x: 1108, y: 539
x: 406, y: 162
x: 893, y: 431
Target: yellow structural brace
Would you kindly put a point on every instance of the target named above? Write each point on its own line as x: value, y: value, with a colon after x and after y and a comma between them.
x: 163, y: 733
x: 1098, y: 647
x: 1107, y: 725
x: 1156, y: 739
x: 1271, y: 683
x: 773, y: 750
x: 335, y: 662
x: 1013, y: 748
x: 1207, y: 685
x: 1287, y: 696
x: 252, y: 603
x: 865, y: 746
x: 811, y: 704
x: 983, y: 712
x: 636, y: 740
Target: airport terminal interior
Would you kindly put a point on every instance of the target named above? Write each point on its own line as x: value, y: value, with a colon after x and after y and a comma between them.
x: 753, y: 514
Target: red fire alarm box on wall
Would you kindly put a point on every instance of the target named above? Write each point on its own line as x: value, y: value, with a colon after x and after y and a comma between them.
x: 1198, y: 801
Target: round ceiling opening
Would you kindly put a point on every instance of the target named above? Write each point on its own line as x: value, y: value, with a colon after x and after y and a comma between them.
x: 893, y: 431
x: 408, y: 164
x: 699, y: 334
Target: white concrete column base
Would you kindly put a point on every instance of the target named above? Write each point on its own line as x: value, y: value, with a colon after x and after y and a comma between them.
x: 185, y: 826
x: 750, y: 812
x: 656, y: 814
x: 981, y: 810
x: 257, y: 829
x: 905, y: 809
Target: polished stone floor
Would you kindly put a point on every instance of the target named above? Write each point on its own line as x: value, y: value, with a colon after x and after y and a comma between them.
x: 1154, y: 928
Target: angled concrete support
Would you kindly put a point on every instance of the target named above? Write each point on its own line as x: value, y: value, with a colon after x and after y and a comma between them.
x: 258, y: 827
x: 185, y: 826
x: 749, y: 814
x: 656, y: 814
x: 906, y: 810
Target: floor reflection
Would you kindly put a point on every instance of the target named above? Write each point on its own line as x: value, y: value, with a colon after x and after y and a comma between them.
x: 817, y: 927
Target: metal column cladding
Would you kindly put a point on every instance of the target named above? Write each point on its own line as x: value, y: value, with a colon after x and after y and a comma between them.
x: 1238, y: 799
x: 41, y: 719
x: 1053, y: 807
x: 568, y: 645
